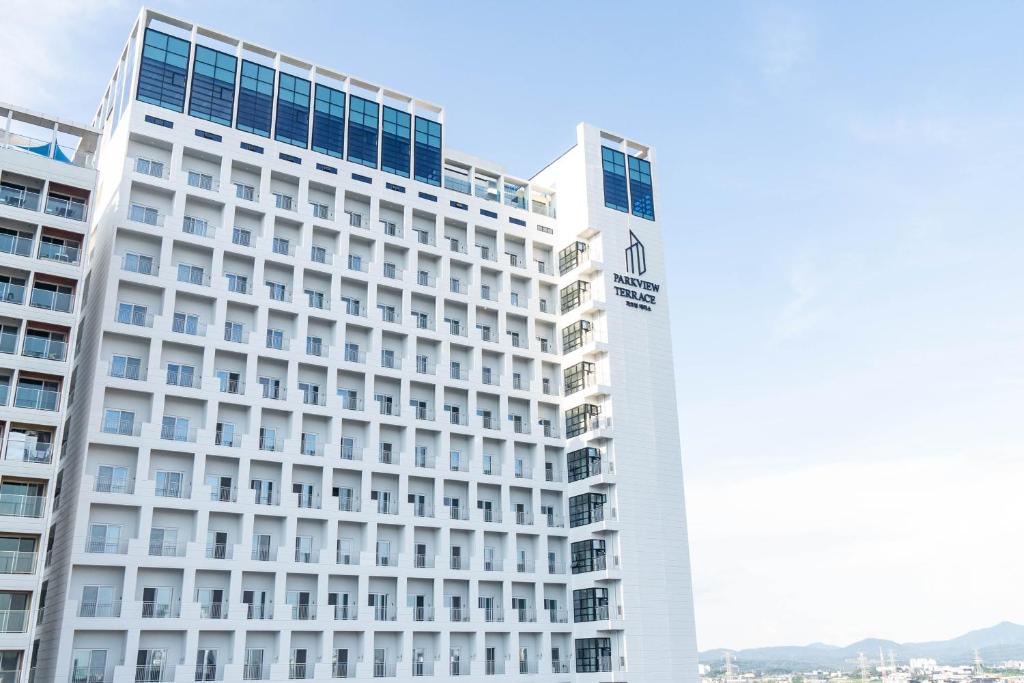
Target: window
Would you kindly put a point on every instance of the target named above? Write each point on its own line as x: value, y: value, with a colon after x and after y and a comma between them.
x: 573, y: 295
x: 588, y: 556
x: 583, y: 463
x: 575, y: 335
x: 641, y: 190
x: 577, y: 419
x: 164, y: 70
x: 255, y: 99
x: 213, y: 86
x: 613, y: 164
x: 241, y: 236
x: 586, y: 508
x: 362, y: 131
x: 329, y: 121
x: 569, y: 257
x: 395, y: 140
x: 428, y: 151
x: 125, y: 367
x: 576, y: 376
x: 292, y: 110
x: 593, y: 655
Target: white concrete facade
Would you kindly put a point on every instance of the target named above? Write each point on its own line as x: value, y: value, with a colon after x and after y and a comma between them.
x: 322, y: 422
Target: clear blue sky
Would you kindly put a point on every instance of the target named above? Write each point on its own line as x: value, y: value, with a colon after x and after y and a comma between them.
x: 841, y: 188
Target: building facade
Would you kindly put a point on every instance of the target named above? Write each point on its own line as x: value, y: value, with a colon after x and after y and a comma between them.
x: 347, y: 403
x: 46, y: 185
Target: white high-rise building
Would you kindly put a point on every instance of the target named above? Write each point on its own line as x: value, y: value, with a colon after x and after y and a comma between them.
x: 347, y: 403
x: 46, y: 185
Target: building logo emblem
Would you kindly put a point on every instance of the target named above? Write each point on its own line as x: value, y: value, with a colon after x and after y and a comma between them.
x: 636, y: 257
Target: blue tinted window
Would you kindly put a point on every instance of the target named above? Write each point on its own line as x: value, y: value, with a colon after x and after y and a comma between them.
x: 292, y: 110
x: 395, y: 141
x: 164, y: 70
x: 641, y: 190
x: 362, y: 131
x: 428, y: 151
x: 255, y: 99
x: 213, y: 86
x: 329, y: 121
x: 614, y: 165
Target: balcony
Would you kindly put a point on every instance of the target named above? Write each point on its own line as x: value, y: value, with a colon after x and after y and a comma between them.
x: 29, y: 452
x: 458, y: 614
x: 14, y: 620
x: 258, y: 611
x: 160, y: 610
x: 63, y: 206
x: 51, y: 299
x: 36, y: 399
x: 114, y: 485
x: 213, y: 609
x: 199, y: 227
x: 345, y: 612
x: 422, y: 668
x: 15, y: 244
x: 89, y: 674
x: 107, y: 547
x: 19, y: 197
x: 100, y: 610
x: 303, y: 612
x: 153, y: 673
x: 18, y: 561
x: 166, y: 549
x: 18, y: 505
x: 45, y: 348
x: 218, y: 551
x: 255, y: 672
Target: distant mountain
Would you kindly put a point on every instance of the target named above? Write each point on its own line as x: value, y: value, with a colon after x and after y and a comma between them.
x: 994, y: 644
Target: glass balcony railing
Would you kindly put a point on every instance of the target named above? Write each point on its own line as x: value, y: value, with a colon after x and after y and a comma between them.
x: 66, y: 207
x: 36, y: 399
x: 19, y: 197
x: 40, y: 347
x: 18, y: 505
x: 15, y: 244
x: 17, y: 561
x: 61, y: 253
x: 12, y: 293
x: 51, y: 300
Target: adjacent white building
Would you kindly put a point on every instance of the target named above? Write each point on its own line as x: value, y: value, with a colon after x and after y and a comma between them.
x: 350, y: 404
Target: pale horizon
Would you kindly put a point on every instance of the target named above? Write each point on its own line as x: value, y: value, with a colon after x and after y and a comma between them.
x: 840, y: 193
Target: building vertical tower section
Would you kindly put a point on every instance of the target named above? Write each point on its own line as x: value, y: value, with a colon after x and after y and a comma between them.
x: 625, y: 493
x: 46, y: 186
x: 351, y: 404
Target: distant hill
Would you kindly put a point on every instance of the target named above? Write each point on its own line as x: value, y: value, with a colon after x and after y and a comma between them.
x: 994, y: 644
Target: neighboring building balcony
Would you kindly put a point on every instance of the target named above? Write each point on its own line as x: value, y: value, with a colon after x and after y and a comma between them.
x: 106, y: 547
x: 152, y: 673
x: 90, y: 674
x: 219, y: 551
x: 161, y: 610
x: 303, y: 612
x: 99, y: 610
x: 345, y: 613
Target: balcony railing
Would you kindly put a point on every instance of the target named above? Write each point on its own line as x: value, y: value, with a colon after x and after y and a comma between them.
x: 18, y: 561
x: 100, y: 610
x: 48, y: 349
x: 19, y: 197
x: 14, y: 620
x: 213, y: 610
x: 18, y: 505
x: 154, y: 673
x: 66, y: 207
x: 160, y: 610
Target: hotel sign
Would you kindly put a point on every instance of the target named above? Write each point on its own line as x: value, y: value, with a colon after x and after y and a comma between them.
x: 637, y: 292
